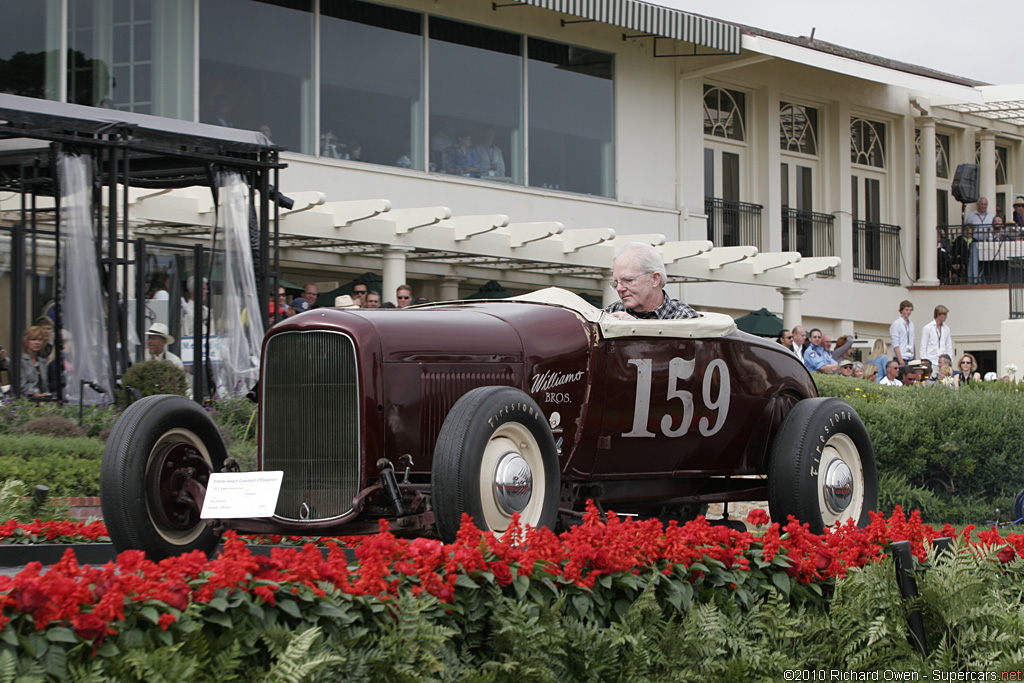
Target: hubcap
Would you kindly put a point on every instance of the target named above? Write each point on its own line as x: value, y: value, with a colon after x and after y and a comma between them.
x: 838, y: 486
x: 513, y: 483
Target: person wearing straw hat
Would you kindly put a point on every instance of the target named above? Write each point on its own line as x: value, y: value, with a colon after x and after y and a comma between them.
x: 157, y: 339
x: 345, y: 301
x: 1017, y: 217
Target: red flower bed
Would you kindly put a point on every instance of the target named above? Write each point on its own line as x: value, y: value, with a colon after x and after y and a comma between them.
x: 92, y: 600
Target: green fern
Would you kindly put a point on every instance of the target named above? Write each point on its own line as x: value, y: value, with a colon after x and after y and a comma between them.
x: 300, y: 660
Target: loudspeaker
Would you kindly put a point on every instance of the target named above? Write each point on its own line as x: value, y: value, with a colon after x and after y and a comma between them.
x: 965, y: 183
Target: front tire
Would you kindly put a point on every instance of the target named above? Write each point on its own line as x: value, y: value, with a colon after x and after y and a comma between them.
x: 494, y: 456
x: 822, y: 468
x: 157, y: 446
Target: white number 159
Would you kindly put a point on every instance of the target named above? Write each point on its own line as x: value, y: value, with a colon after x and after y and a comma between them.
x: 680, y: 369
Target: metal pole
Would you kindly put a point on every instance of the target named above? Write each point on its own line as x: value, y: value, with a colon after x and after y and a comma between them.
x: 58, y: 288
x: 17, y: 301
x: 118, y: 358
x: 198, y: 325
x: 140, y: 297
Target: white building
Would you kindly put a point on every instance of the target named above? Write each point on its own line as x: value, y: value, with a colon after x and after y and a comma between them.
x: 614, y: 119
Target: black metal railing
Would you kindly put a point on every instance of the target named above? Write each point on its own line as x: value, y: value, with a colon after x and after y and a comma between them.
x: 978, y: 254
x: 876, y: 252
x: 1015, y: 270
x: 810, y: 233
x: 732, y: 223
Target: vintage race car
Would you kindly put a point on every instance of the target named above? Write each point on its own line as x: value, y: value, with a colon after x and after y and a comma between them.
x: 528, y: 405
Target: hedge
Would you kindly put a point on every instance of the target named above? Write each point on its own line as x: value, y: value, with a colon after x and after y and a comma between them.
x: 965, y: 446
x: 70, y: 467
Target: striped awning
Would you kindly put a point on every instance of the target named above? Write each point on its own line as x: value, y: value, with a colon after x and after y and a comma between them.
x: 653, y: 19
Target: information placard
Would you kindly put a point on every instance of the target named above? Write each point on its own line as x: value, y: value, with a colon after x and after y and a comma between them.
x: 242, y: 494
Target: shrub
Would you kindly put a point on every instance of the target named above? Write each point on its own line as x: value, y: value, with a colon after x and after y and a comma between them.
x: 95, y: 419
x: 153, y: 377
x: 64, y: 475
x: 50, y: 425
x: 965, y: 446
x: 70, y: 467
x: 35, y: 447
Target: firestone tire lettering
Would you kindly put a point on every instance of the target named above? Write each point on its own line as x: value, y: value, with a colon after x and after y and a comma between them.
x: 468, y: 449
x: 822, y: 448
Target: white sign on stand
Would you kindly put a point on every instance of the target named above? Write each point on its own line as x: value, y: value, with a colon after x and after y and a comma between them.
x: 232, y: 495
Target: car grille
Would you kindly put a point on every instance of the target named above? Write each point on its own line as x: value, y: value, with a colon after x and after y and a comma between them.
x: 310, y: 422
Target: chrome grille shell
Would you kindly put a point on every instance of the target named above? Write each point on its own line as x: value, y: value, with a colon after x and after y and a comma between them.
x: 310, y: 422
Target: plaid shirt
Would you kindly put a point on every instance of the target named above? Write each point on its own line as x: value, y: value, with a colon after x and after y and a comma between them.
x: 669, y: 309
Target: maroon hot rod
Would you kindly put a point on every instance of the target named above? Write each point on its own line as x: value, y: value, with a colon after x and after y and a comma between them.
x: 532, y: 405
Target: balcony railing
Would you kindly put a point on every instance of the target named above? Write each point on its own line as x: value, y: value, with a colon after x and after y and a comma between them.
x: 810, y: 233
x: 876, y: 252
x: 732, y: 223
x: 978, y: 254
x: 1015, y: 270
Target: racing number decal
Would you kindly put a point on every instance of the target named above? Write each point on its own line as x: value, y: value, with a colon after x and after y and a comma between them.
x: 680, y: 369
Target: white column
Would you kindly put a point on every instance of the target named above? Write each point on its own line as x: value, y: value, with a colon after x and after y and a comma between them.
x: 987, y: 172
x: 791, y: 298
x: 393, y: 271
x: 449, y: 289
x: 927, y: 213
x: 608, y: 295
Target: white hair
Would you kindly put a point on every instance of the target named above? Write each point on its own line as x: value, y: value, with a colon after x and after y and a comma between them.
x: 647, y: 258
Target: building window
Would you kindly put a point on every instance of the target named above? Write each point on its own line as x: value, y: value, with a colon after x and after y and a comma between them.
x: 867, y: 142
x: 1002, y: 154
x: 798, y: 128
x: 476, y: 87
x: 250, y: 76
x: 371, y: 94
x: 724, y: 113
x: 28, y: 57
x: 941, y: 154
x: 571, y: 126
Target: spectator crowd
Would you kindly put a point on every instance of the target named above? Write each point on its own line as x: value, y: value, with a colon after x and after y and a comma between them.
x: 906, y: 360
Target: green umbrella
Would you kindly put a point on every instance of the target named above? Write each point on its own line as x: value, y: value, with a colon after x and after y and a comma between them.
x: 490, y: 290
x: 763, y: 323
x: 372, y: 280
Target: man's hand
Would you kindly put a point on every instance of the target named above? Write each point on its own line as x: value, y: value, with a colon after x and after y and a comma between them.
x: 830, y: 369
x: 622, y: 315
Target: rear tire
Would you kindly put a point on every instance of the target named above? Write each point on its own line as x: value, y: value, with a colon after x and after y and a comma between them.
x: 494, y: 456
x: 158, y: 444
x: 822, y: 468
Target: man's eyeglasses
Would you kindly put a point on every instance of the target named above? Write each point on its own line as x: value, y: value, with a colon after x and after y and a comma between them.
x: 625, y: 282
x: 404, y: 297
x: 359, y: 292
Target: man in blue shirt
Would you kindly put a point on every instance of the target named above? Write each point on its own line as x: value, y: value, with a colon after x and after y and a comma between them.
x: 816, y: 358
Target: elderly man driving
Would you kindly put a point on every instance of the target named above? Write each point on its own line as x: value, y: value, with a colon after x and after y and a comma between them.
x: 638, y: 276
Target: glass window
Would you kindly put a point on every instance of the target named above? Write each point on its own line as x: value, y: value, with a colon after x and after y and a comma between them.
x: 476, y: 88
x: 867, y: 142
x: 29, y: 46
x: 1002, y: 154
x: 724, y: 113
x: 798, y: 128
x: 256, y: 66
x: 941, y: 155
x: 571, y: 118
x: 371, y: 94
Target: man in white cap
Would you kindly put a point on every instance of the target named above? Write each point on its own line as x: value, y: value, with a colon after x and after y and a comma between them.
x: 157, y: 339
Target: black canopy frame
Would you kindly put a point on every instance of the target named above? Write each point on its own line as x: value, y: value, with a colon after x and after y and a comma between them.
x: 133, y: 150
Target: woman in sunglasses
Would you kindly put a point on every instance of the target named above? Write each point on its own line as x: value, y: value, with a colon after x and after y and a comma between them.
x: 967, y: 371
